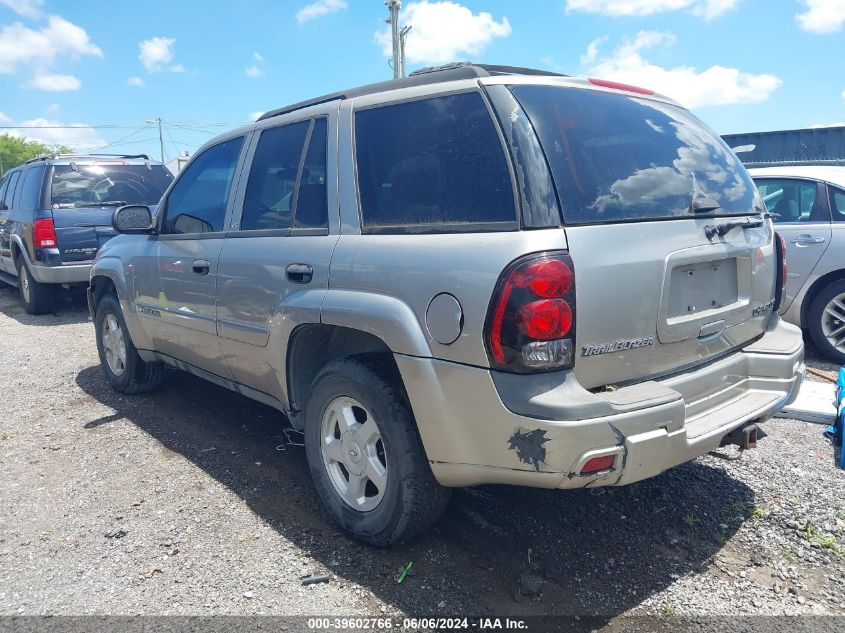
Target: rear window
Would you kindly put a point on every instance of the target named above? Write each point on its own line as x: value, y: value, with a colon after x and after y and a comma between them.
x: 432, y: 162
x: 107, y: 185
x: 618, y: 158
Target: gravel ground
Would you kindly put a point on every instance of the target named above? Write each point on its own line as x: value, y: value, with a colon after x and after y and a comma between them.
x: 178, y: 502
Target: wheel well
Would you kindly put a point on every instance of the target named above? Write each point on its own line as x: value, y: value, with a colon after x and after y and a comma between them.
x: 16, y: 252
x: 313, y: 346
x: 818, y: 285
x: 100, y: 286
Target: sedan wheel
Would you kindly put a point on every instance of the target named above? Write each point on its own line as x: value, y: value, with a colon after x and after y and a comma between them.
x: 833, y: 322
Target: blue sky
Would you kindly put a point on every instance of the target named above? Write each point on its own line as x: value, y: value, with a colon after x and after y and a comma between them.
x: 106, y: 67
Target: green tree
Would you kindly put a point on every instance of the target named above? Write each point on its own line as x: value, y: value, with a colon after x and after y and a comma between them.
x: 15, y: 151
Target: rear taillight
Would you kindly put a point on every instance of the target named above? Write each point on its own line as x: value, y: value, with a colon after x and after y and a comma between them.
x: 780, y: 250
x: 44, y: 233
x: 531, y: 320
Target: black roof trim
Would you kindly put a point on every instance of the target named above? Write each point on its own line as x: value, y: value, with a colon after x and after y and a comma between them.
x: 421, y: 77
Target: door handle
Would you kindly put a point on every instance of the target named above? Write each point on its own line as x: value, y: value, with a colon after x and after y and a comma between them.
x: 803, y: 240
x: 201, y: 267
x: 299, y: 273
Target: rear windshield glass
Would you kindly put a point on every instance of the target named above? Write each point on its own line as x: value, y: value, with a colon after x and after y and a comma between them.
x: 618, y: 158
x: 107, y: 185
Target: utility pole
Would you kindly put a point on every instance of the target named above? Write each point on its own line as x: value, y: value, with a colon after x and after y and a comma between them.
x: 393, y: 7
x: 403, y: 34
x: 160, y: 137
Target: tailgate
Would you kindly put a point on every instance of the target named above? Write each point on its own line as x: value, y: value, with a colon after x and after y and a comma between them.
x: 81, y: 232
x: 656, y: 297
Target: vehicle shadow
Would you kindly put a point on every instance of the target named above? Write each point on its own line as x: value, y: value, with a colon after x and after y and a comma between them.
x: 71, y: 307
x: 585, y: 552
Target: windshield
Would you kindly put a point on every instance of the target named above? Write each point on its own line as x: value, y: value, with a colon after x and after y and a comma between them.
x: 620, y: 158
x: 107, y: 185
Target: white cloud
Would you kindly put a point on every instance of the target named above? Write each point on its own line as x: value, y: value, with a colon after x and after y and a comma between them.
x: 4, y: 118
x: 53, y: 108
x: 717, y: 85
x: 156, y: 53
x: 26, y: 8
x: 54, y: 83
x: 444, y: 31
x: 837, y: 124
x: 822, y: 16
x: 76, y: 135
x: 252, y: 71
x: 708, y: 9
x: 319, y: 8
x: 843, y: 94
x: 137, y: 82
x: 253, y: 116
x: 593, y: 50
x: 258, y: 57
x: 22, y: 46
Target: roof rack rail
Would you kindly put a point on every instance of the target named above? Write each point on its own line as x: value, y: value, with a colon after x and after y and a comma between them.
x: 421, y: 77
x: 57, y: 156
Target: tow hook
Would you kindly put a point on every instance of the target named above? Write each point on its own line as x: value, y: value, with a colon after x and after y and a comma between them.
x: 744, y: 437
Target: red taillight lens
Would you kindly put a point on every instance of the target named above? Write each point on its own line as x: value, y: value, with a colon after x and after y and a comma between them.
x: 547, y: 319
x: 782, y: 269
x: 598, y: 464
x: 531, y: 321
x: 44, y: 233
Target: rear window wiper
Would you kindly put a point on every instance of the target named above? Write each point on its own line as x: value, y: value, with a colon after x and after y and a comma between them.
x: 101, y: 203
x: 721, y: 229
x: 701, y: 203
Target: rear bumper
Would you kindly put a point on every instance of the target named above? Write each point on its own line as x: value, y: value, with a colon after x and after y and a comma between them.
x: 471, y: 437
x: 72, y: 274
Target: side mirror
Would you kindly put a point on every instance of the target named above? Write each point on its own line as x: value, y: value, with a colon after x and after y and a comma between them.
x: 133, y: 218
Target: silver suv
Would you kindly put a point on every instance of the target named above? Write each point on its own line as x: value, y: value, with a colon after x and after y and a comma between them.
x: 474, y: 275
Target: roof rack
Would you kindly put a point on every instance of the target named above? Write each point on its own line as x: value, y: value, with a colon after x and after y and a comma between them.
x: 57, y: 156
x: 421, y: 77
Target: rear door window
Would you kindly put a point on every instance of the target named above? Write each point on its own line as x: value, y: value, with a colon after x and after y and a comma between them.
x: 33, y: 181
x: 837, y: 201
x: 311, y: 197
x: 618, y: 158
x: 197, y: 202
x: 7, y: 201
x: 272, y: 178
x: 435, y: 162
x: 789, y: 200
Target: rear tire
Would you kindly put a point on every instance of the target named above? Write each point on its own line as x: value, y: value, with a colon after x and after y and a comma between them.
x: 826, y: 322
x: 359, y: 429
x: 37, y: 298
x: 124, y: 369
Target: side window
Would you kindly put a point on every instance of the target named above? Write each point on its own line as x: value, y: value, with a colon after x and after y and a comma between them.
x: 8, y: 199
x: 4, y: 182
x: 31, y: 189
x: 792, y: 200
x: 837, y: 202
x: 432, y: 162
x: 311, y: 209
x: 272, y: 178
x: 197, y: 202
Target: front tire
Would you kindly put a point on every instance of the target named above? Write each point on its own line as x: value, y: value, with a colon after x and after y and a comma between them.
x: 125, y: 370
x: 37, y: 298
x: 365, y: 456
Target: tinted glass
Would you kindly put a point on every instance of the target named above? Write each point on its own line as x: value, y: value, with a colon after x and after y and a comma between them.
x: 7, y: 201
x: 107, y: 185
x: 30, y: 197
x: 433, y: 161
x: 311, y: 201
x: 197, y: 202
x: 837, y: 201
x: 4, y: 182
x: 791, y: 200
x: 615, y: 157
x: 272, y: 177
